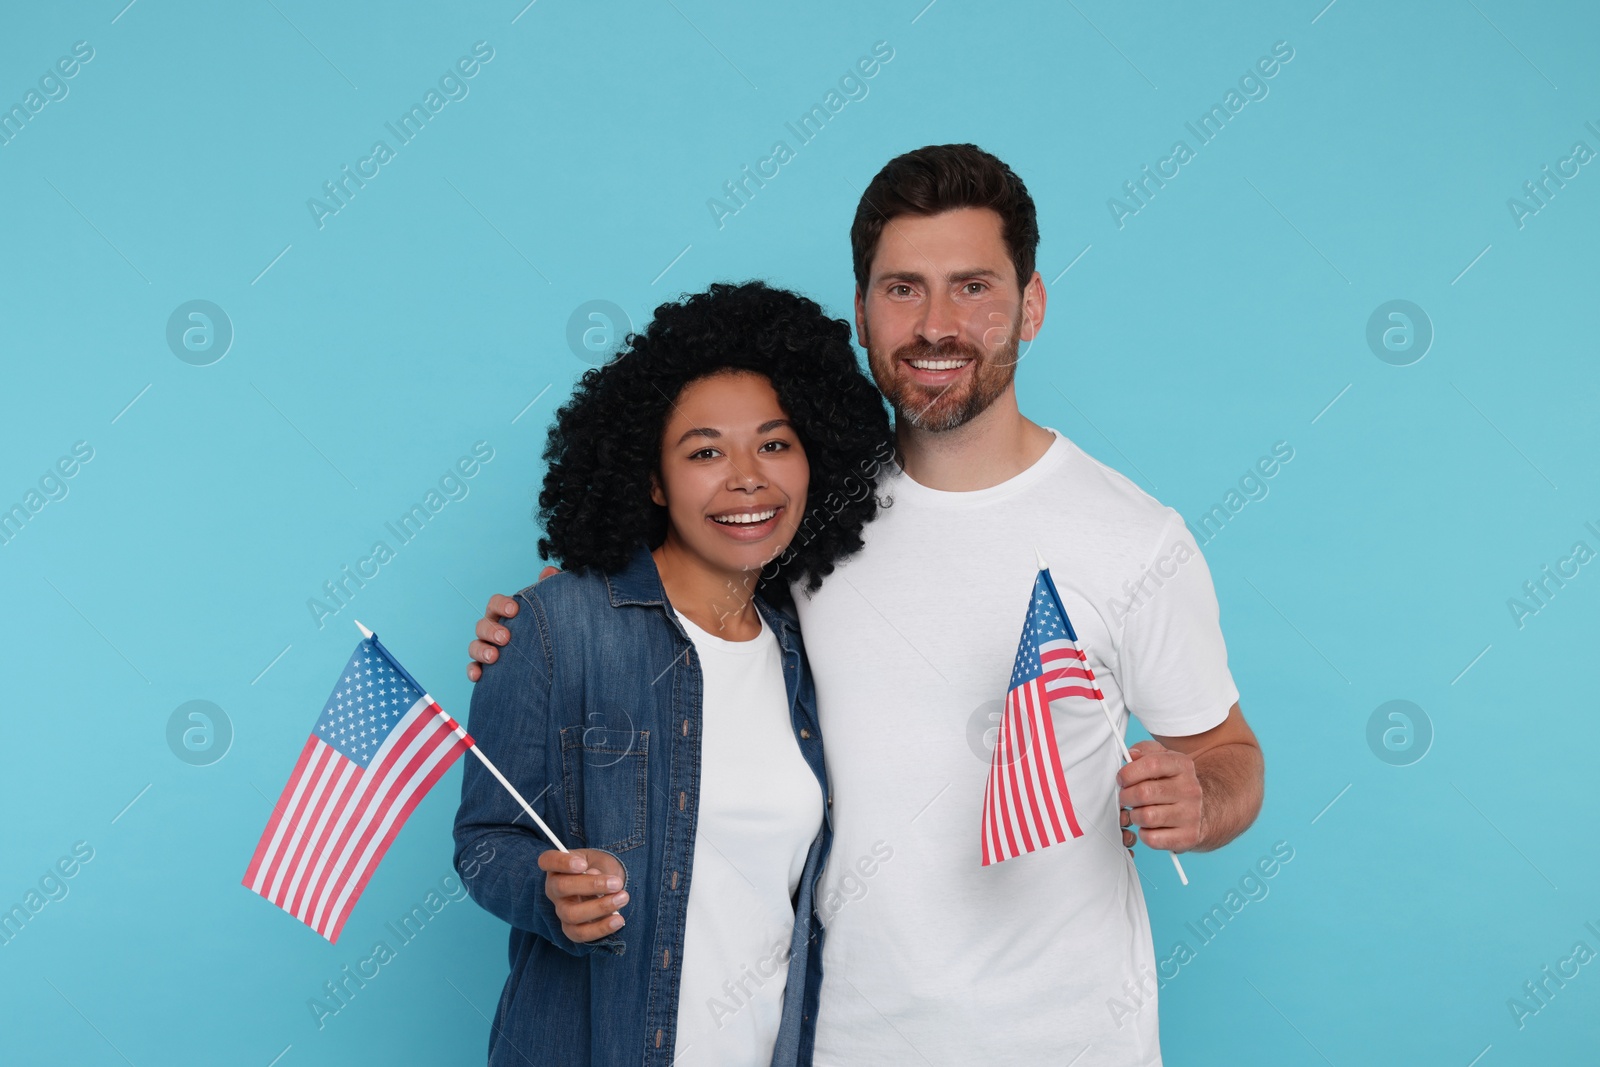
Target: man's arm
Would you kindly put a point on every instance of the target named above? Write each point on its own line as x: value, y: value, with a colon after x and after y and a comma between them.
x: 1193, y: 793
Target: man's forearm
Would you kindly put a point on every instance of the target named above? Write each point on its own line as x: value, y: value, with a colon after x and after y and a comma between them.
x: 1232, y: 784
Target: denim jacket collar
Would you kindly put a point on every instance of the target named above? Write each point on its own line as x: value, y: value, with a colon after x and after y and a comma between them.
x: 639, y: 583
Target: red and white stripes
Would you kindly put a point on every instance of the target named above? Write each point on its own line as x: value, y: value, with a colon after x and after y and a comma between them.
x: 335, y: 820
x: 1027, y: 805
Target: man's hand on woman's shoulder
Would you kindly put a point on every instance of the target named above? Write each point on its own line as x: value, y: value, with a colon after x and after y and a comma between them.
x: 492, y: 636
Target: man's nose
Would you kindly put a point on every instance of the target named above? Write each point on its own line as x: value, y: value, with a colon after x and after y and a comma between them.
x: 939, y: 319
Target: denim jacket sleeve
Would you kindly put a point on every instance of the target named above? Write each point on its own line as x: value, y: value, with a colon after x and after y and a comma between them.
x: 497, y: 851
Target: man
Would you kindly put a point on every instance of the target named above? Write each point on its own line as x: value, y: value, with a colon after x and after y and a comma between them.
x: 930, y: 956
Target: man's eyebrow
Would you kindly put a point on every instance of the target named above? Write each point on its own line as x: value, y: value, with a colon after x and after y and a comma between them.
x: 918, y: 276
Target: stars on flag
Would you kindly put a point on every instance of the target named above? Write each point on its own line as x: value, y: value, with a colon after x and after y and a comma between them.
x: 370, y: 699
x: 1043, y: 624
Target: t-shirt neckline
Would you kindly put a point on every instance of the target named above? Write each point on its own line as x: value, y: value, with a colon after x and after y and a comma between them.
x: 722, y: 644
x: 1054, y: 456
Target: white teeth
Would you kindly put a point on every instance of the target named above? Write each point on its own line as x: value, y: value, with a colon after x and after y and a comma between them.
x: 745, y: 518
x: 938, y: 364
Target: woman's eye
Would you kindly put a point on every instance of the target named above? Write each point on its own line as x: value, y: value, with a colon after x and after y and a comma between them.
x: 775, y: 446
x: 704, y: 453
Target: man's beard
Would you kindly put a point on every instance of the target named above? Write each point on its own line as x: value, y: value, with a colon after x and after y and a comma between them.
x: 942, y: 408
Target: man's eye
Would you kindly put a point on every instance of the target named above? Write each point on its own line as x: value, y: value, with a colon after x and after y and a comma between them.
x: 975, y: 287
x: 900, y: 290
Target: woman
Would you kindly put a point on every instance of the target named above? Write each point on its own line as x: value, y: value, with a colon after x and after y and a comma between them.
x: 657, y: 704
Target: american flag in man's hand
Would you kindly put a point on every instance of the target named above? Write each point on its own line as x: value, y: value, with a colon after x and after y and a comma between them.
x: 1026, y: 805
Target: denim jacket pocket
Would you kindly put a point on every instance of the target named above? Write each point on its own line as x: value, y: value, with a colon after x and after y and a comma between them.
x: 603, y: 773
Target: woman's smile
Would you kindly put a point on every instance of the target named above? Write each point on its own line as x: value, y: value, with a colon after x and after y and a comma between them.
x: 748, y: 524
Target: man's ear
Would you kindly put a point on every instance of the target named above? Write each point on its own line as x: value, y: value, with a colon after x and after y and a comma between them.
x: 1033, y: 303
x: 861, y: 318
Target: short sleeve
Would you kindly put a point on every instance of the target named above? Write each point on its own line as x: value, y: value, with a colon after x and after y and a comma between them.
x: 1174, y: 663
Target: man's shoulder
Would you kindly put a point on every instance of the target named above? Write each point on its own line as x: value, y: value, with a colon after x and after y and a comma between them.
x: 1081, y: 482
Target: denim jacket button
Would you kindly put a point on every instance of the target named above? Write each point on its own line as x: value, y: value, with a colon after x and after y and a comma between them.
x: 805, y: 735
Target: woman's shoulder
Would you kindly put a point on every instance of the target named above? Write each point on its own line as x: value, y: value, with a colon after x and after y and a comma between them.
x: 566, y: 587
x: 581, y: 605
x: 565, y: 597
x: 555, y: 615
x: 583, y: 627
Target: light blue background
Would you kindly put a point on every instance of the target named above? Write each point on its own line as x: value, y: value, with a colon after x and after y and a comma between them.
x: 429, y: 312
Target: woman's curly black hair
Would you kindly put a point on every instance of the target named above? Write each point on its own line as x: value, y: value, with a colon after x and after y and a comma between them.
x: 605, y: 444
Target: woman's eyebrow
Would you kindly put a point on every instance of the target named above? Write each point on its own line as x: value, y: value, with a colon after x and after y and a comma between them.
x: 712, y: 432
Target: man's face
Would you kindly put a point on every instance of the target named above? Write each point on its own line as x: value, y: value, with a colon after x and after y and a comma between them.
x: 942, y: 316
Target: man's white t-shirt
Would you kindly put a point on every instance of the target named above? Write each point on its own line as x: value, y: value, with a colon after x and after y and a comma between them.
x: 930, y: 956
x: 760, y: 809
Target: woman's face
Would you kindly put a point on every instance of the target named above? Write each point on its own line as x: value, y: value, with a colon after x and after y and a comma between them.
x: 733, y: 475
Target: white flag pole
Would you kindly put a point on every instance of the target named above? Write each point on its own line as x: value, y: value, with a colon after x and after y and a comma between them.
x: 476, y: 751
x: 1116, y: 734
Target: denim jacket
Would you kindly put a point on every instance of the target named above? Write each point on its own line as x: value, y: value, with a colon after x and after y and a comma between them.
x: 593, y: 712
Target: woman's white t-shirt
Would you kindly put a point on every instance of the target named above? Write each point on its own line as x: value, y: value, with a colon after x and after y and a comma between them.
x: 760, y: 808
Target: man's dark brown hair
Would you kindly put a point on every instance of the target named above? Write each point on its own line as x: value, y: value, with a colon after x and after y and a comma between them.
x: 939, y: 178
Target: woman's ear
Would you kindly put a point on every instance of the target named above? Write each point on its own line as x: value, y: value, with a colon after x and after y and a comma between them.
x: 657, y: 496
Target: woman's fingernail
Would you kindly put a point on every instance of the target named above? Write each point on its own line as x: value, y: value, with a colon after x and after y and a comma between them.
x: 622, y: 898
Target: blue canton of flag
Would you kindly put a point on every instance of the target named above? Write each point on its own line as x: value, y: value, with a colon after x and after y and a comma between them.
x: 1045, y: 623
x: 370, y: 699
